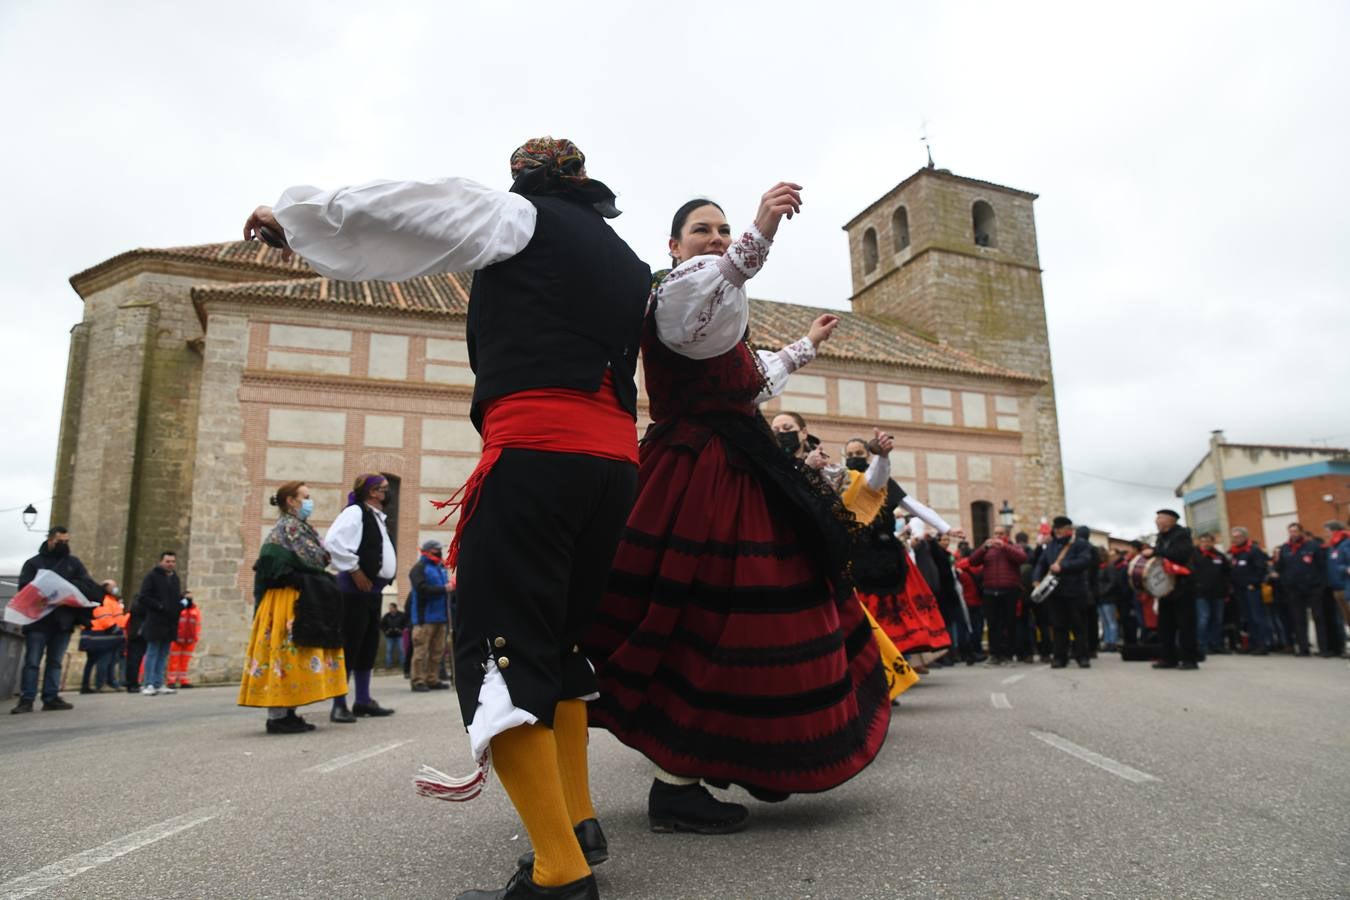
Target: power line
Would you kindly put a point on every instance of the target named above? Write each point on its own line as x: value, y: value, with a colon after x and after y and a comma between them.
x: 1153, y: 487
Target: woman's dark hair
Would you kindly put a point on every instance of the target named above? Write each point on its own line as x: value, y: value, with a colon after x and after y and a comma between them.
x: 682, y: 214
x: 284, y: 493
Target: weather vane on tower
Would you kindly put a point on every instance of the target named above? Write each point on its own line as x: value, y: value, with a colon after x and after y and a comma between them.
x: 923, y: 128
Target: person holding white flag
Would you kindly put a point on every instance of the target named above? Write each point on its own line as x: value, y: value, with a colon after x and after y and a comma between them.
x: 54, y: 596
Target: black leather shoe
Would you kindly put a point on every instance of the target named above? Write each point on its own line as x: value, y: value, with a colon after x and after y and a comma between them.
x: 22, y: 706
x: 288, y: 725
x: 593, y: 846
x: 521, y: 887
x: 1164, y: 664
x: 372, y: 709
x: 1085, y: 664
x: 88, y: 690
x: 56, y: 703
x: 342, y: 715
x: 440, y: 686
x: 420, y: 688
x: 1188, y: 665
x: 1059, y: 665
x: 689, y: 807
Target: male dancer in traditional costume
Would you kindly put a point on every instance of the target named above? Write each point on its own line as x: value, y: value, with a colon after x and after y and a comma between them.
x: 555, y: 321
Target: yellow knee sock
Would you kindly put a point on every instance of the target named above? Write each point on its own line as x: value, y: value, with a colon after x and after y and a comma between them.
x: 569, y: 728
x: 526, y: 760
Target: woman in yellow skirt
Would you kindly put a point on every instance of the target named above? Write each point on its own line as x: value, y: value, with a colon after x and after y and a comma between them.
x: 295, y: 649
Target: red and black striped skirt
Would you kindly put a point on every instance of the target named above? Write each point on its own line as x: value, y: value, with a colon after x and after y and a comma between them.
x: 722, y: 649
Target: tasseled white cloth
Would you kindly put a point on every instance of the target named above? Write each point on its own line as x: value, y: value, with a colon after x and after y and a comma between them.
x: 495, y: 714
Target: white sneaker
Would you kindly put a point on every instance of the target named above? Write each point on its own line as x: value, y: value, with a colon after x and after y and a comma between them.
x: 166, y: 690
x: 148, y: 691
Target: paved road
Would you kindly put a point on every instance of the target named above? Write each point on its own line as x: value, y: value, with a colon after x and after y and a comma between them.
x: 1021, y: 782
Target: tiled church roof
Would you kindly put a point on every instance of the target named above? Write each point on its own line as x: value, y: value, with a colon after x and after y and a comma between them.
x: 859, y: 338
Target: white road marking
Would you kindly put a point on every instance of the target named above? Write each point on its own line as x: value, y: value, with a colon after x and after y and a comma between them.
x: 1013, y: 679
x: 334, y: 764
x: 63, y: 870
x: 1119, y: 769
x: 1000, y: 701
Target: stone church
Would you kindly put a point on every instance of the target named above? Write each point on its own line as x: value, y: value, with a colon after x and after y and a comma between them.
x: 201, y: 377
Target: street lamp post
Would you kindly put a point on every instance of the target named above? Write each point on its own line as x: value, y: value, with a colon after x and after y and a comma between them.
x: 29, y: 516
x: 1005, y: 515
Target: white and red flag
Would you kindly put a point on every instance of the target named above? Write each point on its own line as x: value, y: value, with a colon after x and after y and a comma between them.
x: 43, y: 594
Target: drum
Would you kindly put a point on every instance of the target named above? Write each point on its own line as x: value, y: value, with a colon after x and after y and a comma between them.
x: 1149, y: 576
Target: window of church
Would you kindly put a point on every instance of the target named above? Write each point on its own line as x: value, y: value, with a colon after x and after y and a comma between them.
x: 869, y: 251
x: 900, y: 228
x: 986, y: 232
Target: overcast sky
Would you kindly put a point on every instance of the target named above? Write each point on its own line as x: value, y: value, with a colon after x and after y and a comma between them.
x: 1190, y: 159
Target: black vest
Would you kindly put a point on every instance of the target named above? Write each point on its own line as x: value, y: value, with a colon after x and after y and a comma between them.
x: 560, y: 312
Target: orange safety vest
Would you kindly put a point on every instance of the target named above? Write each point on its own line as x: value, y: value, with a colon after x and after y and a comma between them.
x: 110, y: 614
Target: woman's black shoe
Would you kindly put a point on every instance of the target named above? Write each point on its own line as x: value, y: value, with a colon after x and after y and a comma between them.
x: 522, y: 887
x: 288, y: 725
x: 593, y: 846
x: 371, y: 709
x: 689, y: 807
x: 341, y: 714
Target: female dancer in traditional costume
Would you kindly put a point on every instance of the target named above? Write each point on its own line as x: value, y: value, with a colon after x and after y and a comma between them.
x: 729, y: 646
x: 295, y: 649
x: 897, y: 596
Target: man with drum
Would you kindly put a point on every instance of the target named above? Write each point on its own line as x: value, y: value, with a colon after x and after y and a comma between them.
x: 1067, y: 557
x: 1176, y: 611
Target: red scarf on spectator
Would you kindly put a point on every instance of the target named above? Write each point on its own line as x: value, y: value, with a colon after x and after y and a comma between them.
x: 1339, y: 536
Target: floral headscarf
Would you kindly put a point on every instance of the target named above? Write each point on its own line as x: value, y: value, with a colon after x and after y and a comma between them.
x: 548, y: 165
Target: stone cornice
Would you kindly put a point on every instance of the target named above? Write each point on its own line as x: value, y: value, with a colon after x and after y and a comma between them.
x: 138, y: 262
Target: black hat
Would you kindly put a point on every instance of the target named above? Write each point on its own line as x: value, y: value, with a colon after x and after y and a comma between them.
x: 1170, y: 512
x: 1061, y: 522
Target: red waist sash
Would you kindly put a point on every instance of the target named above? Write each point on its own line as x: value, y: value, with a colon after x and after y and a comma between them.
x: 554, y: 420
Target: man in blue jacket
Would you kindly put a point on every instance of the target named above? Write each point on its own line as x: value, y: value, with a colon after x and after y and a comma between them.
x: 1068, y: 558
x: 429, y: 611
x: 1248, y: 573
x: 1300, y: 565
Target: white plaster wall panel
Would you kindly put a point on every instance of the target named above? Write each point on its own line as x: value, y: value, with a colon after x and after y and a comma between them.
x: 889, y: 412
x: 894, y: 393
x: 852, y: 397
x: 799, y: 404
x: 941, y: 466
x: 384, y: 431
x: 447, y: 350
x: 1009, y: 423
x: 304, y: 464
x: 974, y: 413
x: 304, y: 426
x: 942, y: 496
x: 807, y: 384
x: 388, y: 356
x: 937, y: 397
x: 937, y: 417
x: 307, y: 338
x: 1005, y: 404
x: 449, y: 374
x: 283, y: 361
x: 450, y: 434
x: 427, y: 514
x: 903, y: 466
x: 980, y: 468
x: 447, y: 471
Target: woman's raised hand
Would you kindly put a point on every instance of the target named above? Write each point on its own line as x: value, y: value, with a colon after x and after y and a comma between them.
x: 783, y: 199
x: 822, y: 328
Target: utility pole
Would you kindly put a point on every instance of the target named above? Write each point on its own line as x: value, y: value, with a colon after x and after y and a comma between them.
x: 1220, y: 494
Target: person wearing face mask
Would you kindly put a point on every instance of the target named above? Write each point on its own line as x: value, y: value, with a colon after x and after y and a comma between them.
x: 49, y: 636
x: 729, y: 637
x: 295, y: 649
